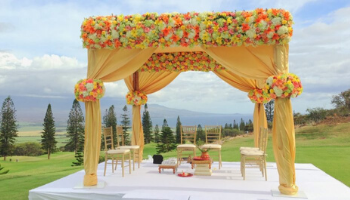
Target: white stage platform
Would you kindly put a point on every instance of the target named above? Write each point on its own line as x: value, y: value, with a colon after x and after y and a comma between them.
x: 146, y: 183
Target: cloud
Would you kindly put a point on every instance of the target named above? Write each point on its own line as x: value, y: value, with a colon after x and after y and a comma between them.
x: 44, y: 55
x: 49, y: 75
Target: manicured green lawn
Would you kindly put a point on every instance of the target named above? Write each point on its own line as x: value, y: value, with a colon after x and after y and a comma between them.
x: 32, y: 172
x: 327, y: 147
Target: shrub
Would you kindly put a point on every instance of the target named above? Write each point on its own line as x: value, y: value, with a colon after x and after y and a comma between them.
x: 231, y: 132
x: 28, y: 149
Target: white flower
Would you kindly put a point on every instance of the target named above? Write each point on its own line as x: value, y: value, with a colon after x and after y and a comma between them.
x: 85, y: 94
x: 282, y: 30
x: 193, y: 21
x: 262, y: 25
x: 276, y: 21
x: 192, y: 34
x: 294, y: 95
x: 115, y: 34
x: 269, y: 80
x: 251, y: 33
x: 278, y: 91
x: 270, y: 35
x: 92, y: 36
x: 89, y: 87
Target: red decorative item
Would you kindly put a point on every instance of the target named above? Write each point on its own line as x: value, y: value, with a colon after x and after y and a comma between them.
x: 183, y: 174
x: 205, y: 156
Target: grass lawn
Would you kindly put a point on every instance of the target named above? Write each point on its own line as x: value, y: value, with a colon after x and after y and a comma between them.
x: 32, y: 172
x: 327, y: 147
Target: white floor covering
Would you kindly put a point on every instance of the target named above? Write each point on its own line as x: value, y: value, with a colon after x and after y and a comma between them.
x: 226, y: 183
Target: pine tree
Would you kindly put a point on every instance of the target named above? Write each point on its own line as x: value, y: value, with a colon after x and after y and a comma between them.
x: 269, y: 109
x: 167, y: 141
x: 8, y: 129
x: 156, y: 134
x: 75, y: 127
x: 165, y: 124
x: 4, y: 172
x: 235, y: 125
x: 126, y: 125
x: 79, y: 155
x: 242, y: 125
x: 110, y: 120
x: 178, y: 131
x: 200, y: 133
x: 147, y: 125
x: 48, y: 141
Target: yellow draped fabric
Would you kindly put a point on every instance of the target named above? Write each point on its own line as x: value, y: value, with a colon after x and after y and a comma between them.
x: 259, y: 63
x: 148, y: 83
x: 245, y: 84
x: 247, y: 68
x: 283, y: 133
x: 107, y: 65
x: 248, y: 62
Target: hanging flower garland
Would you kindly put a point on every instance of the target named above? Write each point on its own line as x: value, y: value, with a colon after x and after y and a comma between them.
x: 258, y: 95
x: 181, y: 62
x: 284, y: 86
x: 207, y: 29
x: 89, y: 90
x: 136, y: 98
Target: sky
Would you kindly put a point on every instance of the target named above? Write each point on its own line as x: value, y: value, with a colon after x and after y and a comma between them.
x: 41, y: 53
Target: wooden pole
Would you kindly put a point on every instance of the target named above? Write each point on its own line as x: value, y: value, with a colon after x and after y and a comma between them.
x: 136, y: 81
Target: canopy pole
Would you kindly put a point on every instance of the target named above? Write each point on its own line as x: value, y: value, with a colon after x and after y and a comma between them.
x: 136, y: 81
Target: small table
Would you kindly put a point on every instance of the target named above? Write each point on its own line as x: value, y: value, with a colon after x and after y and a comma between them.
x: 168, y: 167
x: 201, y: 162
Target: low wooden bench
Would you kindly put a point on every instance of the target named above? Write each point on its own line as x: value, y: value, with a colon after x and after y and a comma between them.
x: 167, y: 166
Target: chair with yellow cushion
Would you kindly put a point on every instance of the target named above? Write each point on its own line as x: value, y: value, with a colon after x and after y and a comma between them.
x: 114, y: 154
x: 188, y: 141
x: 213, y: 140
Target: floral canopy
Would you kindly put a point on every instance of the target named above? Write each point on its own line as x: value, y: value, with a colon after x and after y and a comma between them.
x: 243, y: 48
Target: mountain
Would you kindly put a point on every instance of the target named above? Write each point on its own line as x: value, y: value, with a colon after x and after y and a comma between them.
x: 32, y: 110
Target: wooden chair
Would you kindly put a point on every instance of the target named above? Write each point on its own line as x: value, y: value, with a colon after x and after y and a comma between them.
x: 114, y: 155
x: 120, y: 136
x: 188, y: 141
x: 135, y: 149
x: 213, y: 140
x: 256, y: 157
x: 259, y: 143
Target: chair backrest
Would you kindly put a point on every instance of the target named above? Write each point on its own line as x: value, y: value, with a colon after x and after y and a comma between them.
x: 264, y: 138
x: 188, y: 133
x: 212, y: 134
x: 120, y: 136
x: 108, y: 135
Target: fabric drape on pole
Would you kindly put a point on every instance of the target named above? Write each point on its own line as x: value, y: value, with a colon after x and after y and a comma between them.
x: 107, y: 65
x: 248, y: 62
x: 246, y: 84
x: 149, y: 82
x: 283, y: 133
x: 259, y: 120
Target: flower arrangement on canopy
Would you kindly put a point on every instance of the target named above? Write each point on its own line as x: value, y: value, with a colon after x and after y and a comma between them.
x: 181, y: 62
x: 284, y: 86
x: 89, y: 90
x: 256, y: 27
x: 258, y: 95
x: 136, y: 98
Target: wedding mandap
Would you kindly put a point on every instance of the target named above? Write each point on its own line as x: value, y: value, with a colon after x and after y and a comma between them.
x: 246, y: 49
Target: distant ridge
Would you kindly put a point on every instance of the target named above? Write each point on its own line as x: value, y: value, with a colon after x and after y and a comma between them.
x: 32, y: 110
